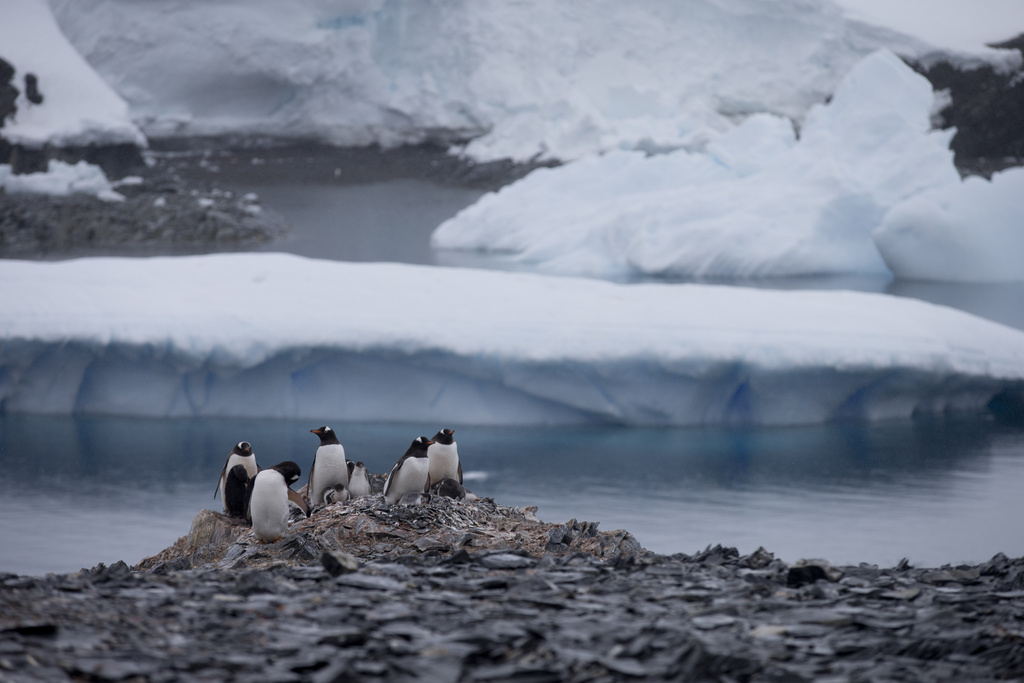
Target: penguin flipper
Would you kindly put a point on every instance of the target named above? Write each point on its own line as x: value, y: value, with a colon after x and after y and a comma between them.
x: 298, y: 500
x: 309, y: 483
x: 391, y: 475
x: 426, y: 489
x: 223, y: 476
x: 460, y: 471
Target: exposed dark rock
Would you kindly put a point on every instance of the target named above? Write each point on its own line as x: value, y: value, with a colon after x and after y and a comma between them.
x: 158, y: 215
x: 32, y: 93
x: 987, y: 108
x: 8, y: 95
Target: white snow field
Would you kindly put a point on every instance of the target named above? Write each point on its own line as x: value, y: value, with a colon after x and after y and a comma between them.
x: 283, y: 336
x: 759, y: 202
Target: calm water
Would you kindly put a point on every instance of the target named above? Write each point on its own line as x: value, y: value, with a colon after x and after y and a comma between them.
x: 78, y: 491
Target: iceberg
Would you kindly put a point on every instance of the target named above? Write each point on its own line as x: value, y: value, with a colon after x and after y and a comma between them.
x: 61, y: 179
x: 970, y: 231
x: 277, y: 335
x: 757, y: 203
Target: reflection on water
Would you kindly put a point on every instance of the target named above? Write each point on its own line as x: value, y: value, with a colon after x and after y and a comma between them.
x: 79, y: 491
x: 384, y: 221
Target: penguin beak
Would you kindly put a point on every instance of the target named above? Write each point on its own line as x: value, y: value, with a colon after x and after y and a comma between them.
x: 314, y: 431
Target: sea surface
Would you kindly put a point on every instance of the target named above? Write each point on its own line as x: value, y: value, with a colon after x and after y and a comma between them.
x: 78, y: 491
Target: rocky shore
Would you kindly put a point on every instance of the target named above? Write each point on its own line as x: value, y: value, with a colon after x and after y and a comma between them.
x: 177, y: 202
x: 475, y: 591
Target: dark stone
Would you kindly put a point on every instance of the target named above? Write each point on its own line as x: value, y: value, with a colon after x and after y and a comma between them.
x: 801, y: 576
x: 337, y: 562
x: 32, y: 93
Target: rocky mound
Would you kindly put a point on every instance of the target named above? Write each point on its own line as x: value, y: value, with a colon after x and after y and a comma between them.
x: 370, y: 529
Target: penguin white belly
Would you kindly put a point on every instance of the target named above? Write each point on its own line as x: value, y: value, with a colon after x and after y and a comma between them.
x: 329, y: 470
x: 268, y: 506
x: 411, y: 477
x: 444, y: 462
x: 234, y: 459
x: 359, y: 485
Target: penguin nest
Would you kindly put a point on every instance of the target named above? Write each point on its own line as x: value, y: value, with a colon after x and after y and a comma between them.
x: 370, y: 527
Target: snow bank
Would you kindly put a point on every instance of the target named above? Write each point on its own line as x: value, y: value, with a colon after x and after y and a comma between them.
x: 971, y: 231
x: 283, y: 336
x: 757, y: 203
x: 61, y: 179
x: 530, y: 78
x: 78, y: 108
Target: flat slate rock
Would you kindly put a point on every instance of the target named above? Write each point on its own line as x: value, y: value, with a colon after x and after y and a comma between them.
x: 509, y: 615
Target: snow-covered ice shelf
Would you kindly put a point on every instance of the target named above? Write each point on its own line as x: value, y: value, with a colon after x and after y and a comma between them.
x: 284, y: 336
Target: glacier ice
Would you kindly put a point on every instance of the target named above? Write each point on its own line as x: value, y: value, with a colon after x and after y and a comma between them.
x: 517, y: 80
x: 283, y: 336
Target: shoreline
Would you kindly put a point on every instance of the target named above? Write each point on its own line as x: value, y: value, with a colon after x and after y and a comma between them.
x: 509, y: 614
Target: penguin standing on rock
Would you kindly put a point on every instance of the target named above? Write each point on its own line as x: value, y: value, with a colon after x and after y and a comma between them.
x: 444, y: 457
x: 237, y: 489
x: 358, y: 480
x: 329, y: 469
x: 268, y: 504
x: 411, y: 474
x: 241, y: 454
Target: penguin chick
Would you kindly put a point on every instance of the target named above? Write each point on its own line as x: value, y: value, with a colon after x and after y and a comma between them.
x: 414, y: 498
x: 329, y: 468
x: 444, y: 457
x: 448, y: 488
x: 358, y: 480
x: 334, y: 494
x: 411, y: 473
x: 241, y: 454
x: 237, y: 490
x: 269, y: 502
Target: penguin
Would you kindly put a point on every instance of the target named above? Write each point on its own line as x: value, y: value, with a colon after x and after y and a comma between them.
x: 241, y: 454
x: 411, y: 473
x: 358, y: 479
x: 237, y: 489
x: 448, y: 488
x: 269, y: 502
x: 329, y: 468
x: 444, y: 457
x: 335, y: 494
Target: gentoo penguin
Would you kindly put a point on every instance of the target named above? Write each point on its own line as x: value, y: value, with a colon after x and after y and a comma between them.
x: 411, y: 473
x: 237, y: 489
x: 444, y: 457
x: 335, y: 494
x: 448, y: 488
x: 268, y: 504
x: 329, y: 468
x: 241, y: 454
x: 358, y: 479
